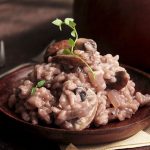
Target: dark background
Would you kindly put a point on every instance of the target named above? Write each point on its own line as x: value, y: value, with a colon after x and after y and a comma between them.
x: 119, y: 27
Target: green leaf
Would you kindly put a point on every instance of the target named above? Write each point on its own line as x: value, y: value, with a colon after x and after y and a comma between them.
x: 68, y: 20
x: 71, y: 42
x: 73, y: 33
x: 72, y: 24
x: 57, y: 22
x: 33, y: 90
x: 66, y: 51
x: 40, y: 83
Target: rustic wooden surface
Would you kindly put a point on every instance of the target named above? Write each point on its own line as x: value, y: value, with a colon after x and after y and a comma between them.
x: 25, y: 28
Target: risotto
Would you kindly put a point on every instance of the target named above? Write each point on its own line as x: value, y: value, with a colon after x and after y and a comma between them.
x: 70, y: 96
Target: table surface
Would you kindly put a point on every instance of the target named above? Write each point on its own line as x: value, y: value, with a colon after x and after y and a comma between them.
x: 25, y: 28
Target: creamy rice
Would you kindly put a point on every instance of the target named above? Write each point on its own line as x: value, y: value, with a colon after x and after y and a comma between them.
x: 72, y: 98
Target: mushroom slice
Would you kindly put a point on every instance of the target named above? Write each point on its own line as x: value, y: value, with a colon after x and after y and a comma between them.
x: 121, y: 81
x: 54, y: 48
x: 68, y: 60
x: 80, y: 115
x: 86, y: 44
x: 80, y: 43
x: 84, y: 122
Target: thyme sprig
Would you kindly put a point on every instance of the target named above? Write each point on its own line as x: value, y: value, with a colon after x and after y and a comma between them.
x: 72, y: 42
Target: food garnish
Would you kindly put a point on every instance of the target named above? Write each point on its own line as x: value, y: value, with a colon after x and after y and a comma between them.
x: 38, y: 85
x: 63, y: 91
x: 72, y: 42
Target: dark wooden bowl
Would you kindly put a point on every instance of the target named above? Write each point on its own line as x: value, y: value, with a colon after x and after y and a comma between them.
x: 114, y: 131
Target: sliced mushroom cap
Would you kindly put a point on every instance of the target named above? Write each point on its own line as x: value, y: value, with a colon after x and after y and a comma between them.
x: 84, y: 122
x: 68, y: 60
x: 122, y: 80
x: 81, y: 123
x: 86, y: 44
x: 81, y: 44
x: 81, y: 91
x: 54, y: 48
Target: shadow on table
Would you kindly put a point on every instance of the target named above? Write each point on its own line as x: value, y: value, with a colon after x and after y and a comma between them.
x: 12, y: 138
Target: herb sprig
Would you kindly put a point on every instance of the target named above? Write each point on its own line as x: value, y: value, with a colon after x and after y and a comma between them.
x: 71, y: 24
x: 38, y: 85
x: 72, y: 42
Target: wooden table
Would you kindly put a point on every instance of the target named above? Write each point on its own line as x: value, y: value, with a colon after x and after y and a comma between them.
x: 25, y: 28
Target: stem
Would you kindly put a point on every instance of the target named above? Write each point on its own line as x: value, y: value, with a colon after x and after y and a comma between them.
x: 86, y: 64
x: 74, y: 29
x: 76, y: 37
x: 76, y: 33
x: 72, y: 50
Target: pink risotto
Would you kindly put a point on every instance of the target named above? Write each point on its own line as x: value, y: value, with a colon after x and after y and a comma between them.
x: 71, y: 97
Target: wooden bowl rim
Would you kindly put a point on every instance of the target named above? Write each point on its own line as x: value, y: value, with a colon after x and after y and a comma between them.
x: 86, y: 131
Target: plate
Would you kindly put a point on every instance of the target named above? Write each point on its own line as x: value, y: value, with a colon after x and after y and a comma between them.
x: 114, y: 131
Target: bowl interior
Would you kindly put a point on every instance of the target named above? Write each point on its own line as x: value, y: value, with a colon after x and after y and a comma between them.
x: 117, y: 130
